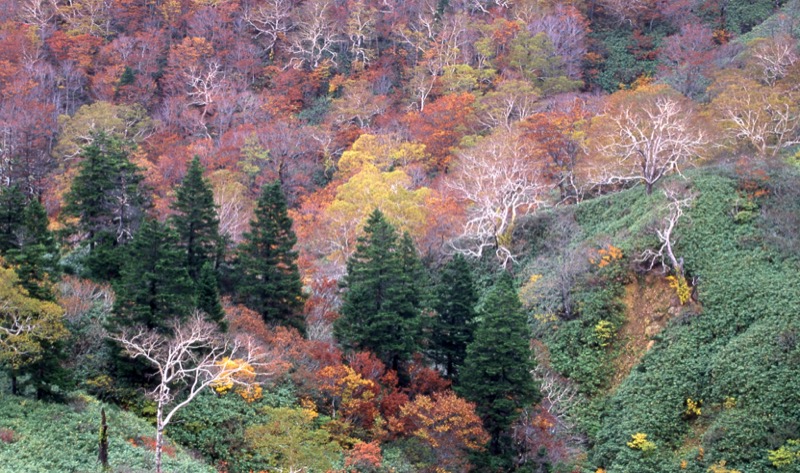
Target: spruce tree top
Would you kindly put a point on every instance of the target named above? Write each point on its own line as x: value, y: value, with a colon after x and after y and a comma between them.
x: 269, y: 280
x: 381, y: 306
x: 497, y: 371
x: 196, y: 219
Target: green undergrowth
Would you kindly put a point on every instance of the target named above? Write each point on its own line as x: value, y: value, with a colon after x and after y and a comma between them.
x: 736, y: 353
x: 43, y: 437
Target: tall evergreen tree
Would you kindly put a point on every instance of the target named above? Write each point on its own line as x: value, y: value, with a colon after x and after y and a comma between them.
x: 12, y: 201
x: 269, y: 281
x: 208, y: 294
x: 37, y: 255
x: 381, y: 307
x: 155, y: 288
x: 107, y: 198
x: 452, y: 330
x: 196, y: 220
x: 497, y: 370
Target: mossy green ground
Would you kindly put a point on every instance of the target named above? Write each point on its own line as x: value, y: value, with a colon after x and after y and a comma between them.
x: 63, y: 437
x: 739, y: 353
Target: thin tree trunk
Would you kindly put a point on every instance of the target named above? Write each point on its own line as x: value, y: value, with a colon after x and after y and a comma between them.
x: 102, y: 456
x: 159, y: 436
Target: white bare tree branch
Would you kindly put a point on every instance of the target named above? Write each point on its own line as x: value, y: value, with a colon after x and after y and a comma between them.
x: 650, y: 141
x: 187, y: 361
x: 272, y: 20
x: 500, y: 182
x: 666, y: 234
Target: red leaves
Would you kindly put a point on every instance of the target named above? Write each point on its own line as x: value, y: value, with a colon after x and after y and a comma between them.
x: 364, y: 456
x: 441, y: 125
x: 447, y: 424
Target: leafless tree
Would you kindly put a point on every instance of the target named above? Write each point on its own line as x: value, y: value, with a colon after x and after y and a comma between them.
x: 500, y: 182
x: 204, y: 87
x: 316, y: 37
x: 774, y: 56
x: 272, y: 20
x: 187, y: 361
x: 650, y: 139
x: 666, y: 234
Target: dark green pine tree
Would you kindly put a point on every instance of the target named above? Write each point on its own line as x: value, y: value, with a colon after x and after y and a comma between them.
x: 12, y: 201
x: 381, y: 307
x: 37, y: 256
x: 108, y: 199
x: 196, y: 221
x: 454, y: 325
x: 266, y: 266
x: 496, y: 375
x: 208, y: 295
x: 155, y: 288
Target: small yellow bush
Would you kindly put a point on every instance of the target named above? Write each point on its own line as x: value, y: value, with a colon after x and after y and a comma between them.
x: 719, y: 467
x: 681, y: 287
x: 639, y: 442
x: 729, y: 402
x: 693, y: 408
x: 604, y: 332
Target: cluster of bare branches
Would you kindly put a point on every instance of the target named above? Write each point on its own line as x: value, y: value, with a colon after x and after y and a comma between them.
x: 501, y: 183
x: 190, y: 358
x: 651, y: 140
x: 665, y: 231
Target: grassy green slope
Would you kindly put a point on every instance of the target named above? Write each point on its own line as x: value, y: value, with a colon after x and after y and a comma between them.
x: 739, y: 354
x: 54, y: 437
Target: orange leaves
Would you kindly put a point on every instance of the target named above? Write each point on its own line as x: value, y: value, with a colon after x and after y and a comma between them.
x: 606, y: 256
x: 364, y: 456
x: 441, y: 125
x: 349, y: 395
x: 446, y: 423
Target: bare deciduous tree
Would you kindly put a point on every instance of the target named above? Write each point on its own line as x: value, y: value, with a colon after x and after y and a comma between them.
x: 774, y: 56
x: 666, y: 234
x: 501, y: 182
x: 650, y: 137
x: 316, y: 37
x: 272, y: 20
x: 194, y: 357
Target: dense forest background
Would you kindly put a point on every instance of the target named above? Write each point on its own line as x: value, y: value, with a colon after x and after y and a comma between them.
x: 399, y: 236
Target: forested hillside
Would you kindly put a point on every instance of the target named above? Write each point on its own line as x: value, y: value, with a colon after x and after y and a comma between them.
x: 399, y: 236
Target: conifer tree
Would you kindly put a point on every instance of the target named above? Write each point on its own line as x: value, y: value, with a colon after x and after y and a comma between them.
x: 37, y: 255
x: 269, y: 281
x: 208, y: 294
x: 107, y: 198
x: 196, y: 220
x: 155, y: 288
x: 12, y: 201
x: 454, y: 325
x: 381, y: 307
x: 497, y: 370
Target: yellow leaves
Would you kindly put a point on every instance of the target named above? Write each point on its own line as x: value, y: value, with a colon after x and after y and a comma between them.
x: 729, y: 403
x: 681, y: 287
x: 606, y: 256
x: 604, y: 331
x: 639, y: 442
x: 391, y: 192
x: 787, y: 455
x: 693, y: 408
x: 238, y: 374
x: 27, y: 325
x: 384, y: 152
x: 720, y: 467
